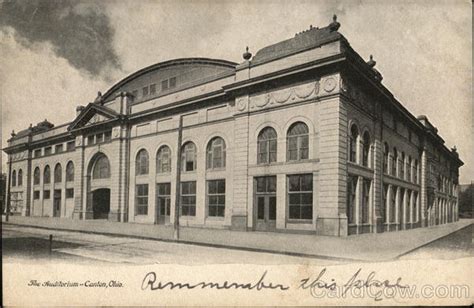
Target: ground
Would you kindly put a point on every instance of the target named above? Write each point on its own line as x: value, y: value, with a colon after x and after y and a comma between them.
x: 29, y: 244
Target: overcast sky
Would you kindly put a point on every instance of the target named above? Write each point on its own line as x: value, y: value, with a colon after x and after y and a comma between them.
x: 55, y: 55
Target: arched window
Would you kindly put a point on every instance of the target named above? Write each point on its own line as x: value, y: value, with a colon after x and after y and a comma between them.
x: 386, y: 152
x: 215, y: 153
x: 365, y: 149
x: 394, y: 162
x: 20, y: 177
x: 267, y: 146
x: 353, y: 143
x: 58, y: 173
x: 402, y: 166
x: 70, y: 172
x: 101, y: 168
x: 297, y: 142
x: 163, y: 160
x: 141, y: 162
x: 36, y: 176
x: 14, y: 178
x: 47, y: 175
x: 409, y: 169
x: 188, y: 157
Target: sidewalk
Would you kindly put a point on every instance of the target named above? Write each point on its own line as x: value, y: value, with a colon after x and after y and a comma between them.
x: 365, y: 247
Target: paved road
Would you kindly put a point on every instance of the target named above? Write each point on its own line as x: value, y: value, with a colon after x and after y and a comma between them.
x: 30, y: 244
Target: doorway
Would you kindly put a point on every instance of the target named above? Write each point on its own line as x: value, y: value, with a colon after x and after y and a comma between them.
x: 265, y: 203
x: 57, y: 203
x: 101, y: 203
x: 163, y: 203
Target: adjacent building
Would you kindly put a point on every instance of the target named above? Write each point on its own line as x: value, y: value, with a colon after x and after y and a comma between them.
x: 301, y: 137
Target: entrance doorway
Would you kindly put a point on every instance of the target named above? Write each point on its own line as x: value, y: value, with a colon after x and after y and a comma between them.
x: 163, y: 203
x: 57, y: 203
x: 265, y: 204
x: 101, y: 203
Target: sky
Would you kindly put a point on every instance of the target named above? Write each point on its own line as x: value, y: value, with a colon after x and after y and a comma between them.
x: 56, y: 54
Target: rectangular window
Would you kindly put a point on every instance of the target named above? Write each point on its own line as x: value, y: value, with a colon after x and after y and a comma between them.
x: 36, y: 195
x: 69, y: 193
x: 393, y: 204
x: 46, y: 194
x: 141, y: 199
x: 135, y: 94
x: 188, y: 198
x: 71, y: 145
x: 216, y: 198
x: 153, y: 89
x: 365, y: 201
x: 164, y: 85
x: 145, y: 91
x: 107, y: 136
x: 172, y: 82
x: 58, y: 148
x: 300, y: 196
x: 37, y: 153
x: 90, y: 139
x: 351, y: 199
x: 47, y: 151
x: 384, y: 204
x: 99, y: 138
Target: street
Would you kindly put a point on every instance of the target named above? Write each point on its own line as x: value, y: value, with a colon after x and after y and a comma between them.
x: 30, y: 244
x: 27, y: 244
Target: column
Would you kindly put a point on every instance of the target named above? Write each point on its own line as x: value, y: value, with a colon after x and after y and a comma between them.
x: 377, y: 186
x: 423, y: 191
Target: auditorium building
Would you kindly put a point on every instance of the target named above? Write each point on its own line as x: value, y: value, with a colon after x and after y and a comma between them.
x: 301, y: 137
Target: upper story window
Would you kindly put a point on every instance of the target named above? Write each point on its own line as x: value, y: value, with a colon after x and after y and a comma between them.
x: 70, y: 172
x: 14, y: 178
x: 107, y: 136
x: 402, y: 166
x: 163, y: 160
x: 20, y: 177
x: 47, y: 151
x: 141, y: 163
x: 415, y: 172
x: 394, y: 162
x: 297, y: 142
x: 153, y: 89
x: 409, y: 169
x: 386, y: 152
x: 99, y: 138
x: 58, y: 148
x: 168, y: 84
x: 47, y: 175
x: 135, y: 94
x: 70, y: 146
x: 216, y: 153
x: 58, y: 174
x: 36, y: 176
x: 267, y: 146
x: 354, y: 134
x: 101, y: 168
x: 145, y: 91
x: 188, y: 157
x: 365, y: 149
x: 90, y: 140
x: 37, y: 153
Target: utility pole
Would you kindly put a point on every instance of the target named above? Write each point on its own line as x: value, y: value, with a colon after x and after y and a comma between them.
x: 178, y: 180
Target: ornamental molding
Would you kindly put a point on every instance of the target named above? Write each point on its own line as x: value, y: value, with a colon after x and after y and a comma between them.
x: 358, y: 97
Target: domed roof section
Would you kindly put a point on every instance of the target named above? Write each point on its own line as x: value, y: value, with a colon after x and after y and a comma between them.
x: 169, y: 76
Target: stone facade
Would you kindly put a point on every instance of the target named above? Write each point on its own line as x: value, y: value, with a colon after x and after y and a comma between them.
x: 303, y: 137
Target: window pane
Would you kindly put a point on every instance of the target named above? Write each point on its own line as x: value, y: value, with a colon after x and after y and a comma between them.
x: 307, y: 182
x: 294, y: 183
x: 221, y: 186
x: 307, y: 198
x: 294, y: 199
x: 261, y: 183
x: 272, y: 208
x: 306, y: 212
x: 294, y: 212
x: 261, y: 208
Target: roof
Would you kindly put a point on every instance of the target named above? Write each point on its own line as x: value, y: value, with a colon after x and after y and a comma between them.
x: 311, y: 38
x: 175, y: 62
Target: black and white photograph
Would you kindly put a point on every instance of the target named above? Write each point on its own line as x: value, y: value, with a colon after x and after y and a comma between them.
x: 236, y: 153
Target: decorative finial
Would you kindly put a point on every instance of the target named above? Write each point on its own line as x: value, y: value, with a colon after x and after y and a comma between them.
x: 454, y: 149
x: 247, y: 55
x: 13, y: 134
x: 371, y: 61
x: 334, y: 26
x: 31, y: 125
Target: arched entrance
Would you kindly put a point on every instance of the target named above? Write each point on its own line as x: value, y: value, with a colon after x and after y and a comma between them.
x: 101, y: 203
x: 98, y: 188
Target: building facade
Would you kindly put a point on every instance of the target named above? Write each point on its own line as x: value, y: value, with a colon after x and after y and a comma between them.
x: 301, y: 137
